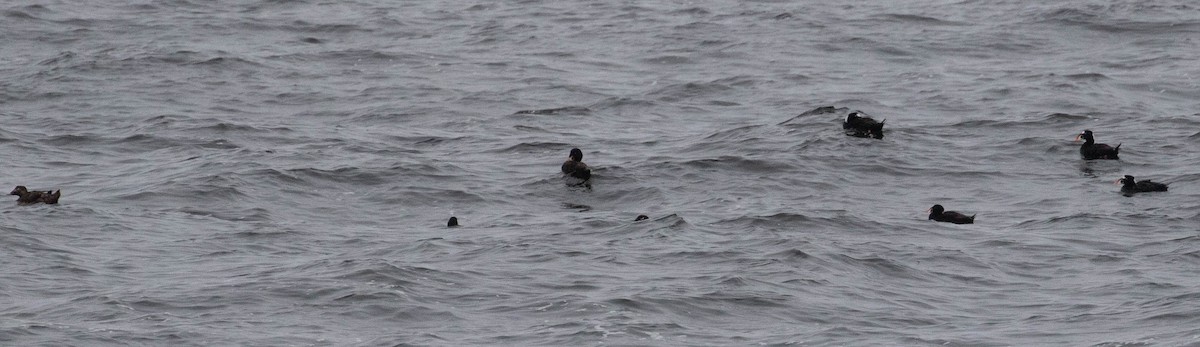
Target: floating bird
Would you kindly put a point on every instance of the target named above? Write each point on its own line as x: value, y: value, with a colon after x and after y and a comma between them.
x: 939, y: 213
x: 1129, y: 186
x: 575, y: 167
x: 453, y: 222
x: 641, y: 217
x: 26, y: 197
x: 857, y: 124
x: 1092, y: 150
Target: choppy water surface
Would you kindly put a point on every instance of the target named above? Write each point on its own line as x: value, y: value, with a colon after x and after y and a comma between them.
x: 281, y: 172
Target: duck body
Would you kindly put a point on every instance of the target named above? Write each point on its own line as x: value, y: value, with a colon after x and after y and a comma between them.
x: 26, y: 197
x: 939, y: 213
x: 859, y: 125
x: 1091, y: 150
x: 575, y: 167
x: 1130, y: 186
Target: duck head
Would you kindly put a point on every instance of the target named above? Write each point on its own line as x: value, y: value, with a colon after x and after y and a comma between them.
x: 936, y: 210
x: 1086, y: 136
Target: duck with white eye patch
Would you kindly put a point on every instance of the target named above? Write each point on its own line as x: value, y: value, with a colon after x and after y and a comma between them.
x: 1092, y: 150
x: 1129, y: 186
x: 859, y: 125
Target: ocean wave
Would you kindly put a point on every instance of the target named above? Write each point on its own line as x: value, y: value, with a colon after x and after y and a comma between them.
x: 691, y: 90
x: 918, y: 19
x: 569, y: 110
x: 823, y: 110
x: 323, y: 28
x: 731, y: 164
x: 1121, y: 18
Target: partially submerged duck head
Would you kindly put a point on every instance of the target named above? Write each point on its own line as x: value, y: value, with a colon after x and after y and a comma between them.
x: 858, y: 124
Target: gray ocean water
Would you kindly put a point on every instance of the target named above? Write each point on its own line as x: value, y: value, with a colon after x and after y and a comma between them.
x: 280, y: 173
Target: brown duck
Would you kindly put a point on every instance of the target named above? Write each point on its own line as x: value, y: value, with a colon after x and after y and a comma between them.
x: 575, y: 167
x: 26, y: 197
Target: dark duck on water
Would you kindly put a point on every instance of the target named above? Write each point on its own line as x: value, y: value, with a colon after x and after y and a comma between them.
x: 1129, y: 186
x: 1092, y: 150
x: 26, y: 197
x: 939, y: 213
x: 575, y: 167
x: 857, y: 124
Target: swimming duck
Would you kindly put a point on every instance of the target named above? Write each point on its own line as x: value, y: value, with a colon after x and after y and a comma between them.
x: 857, y: 124
x: 1092, y: 150
x: 1129, y: 186
x: 575, y: 167
x: 26, y: 197
x: 939, y: 213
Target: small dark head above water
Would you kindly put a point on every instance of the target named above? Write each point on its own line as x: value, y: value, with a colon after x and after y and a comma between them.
x: 939, y: 213
x: 859, y: 125
x: 26, y: 197
x: 575, y: 167
x: 453, y: 222
x: 641, y: 217
x: 1129, y: 186
x: 1092, y: 150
